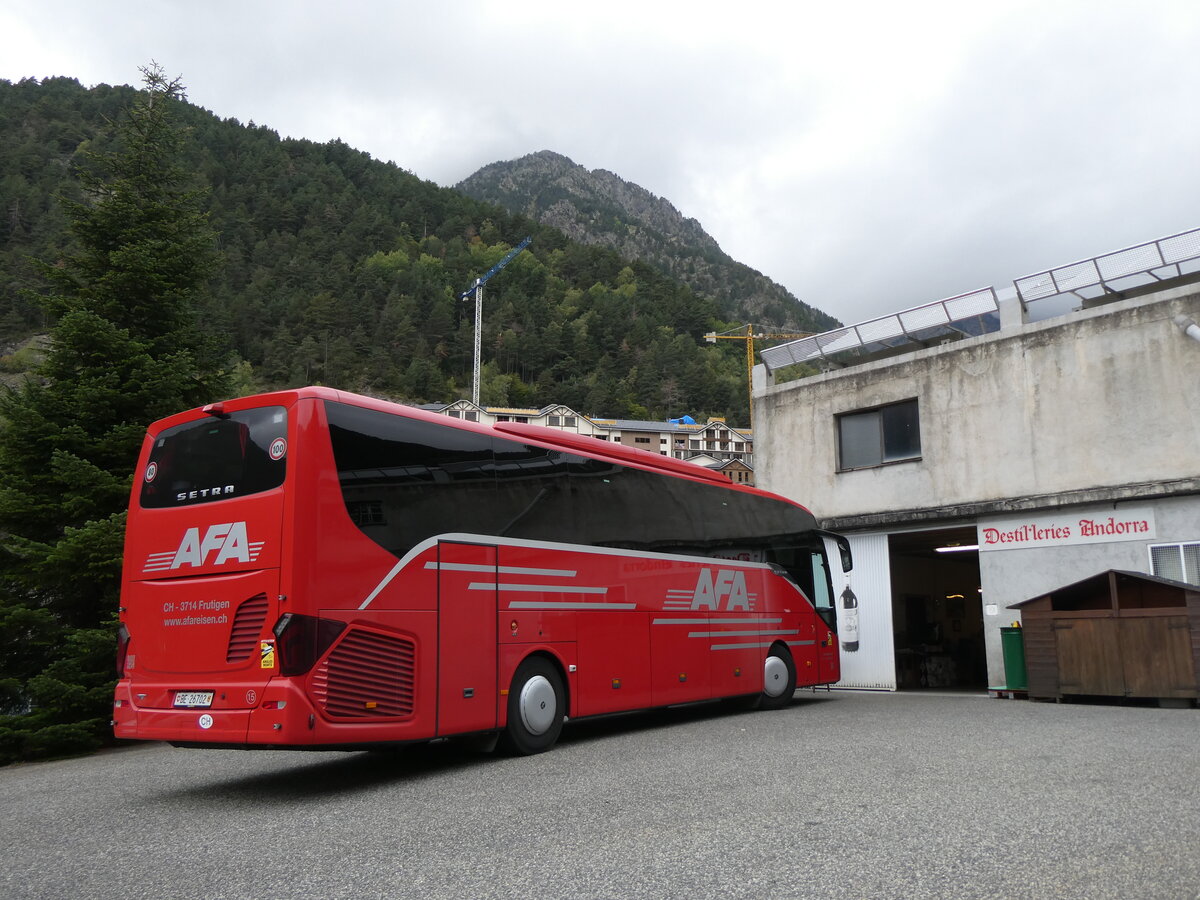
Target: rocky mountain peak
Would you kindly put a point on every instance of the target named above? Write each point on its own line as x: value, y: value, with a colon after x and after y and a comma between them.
x: 597, y: 206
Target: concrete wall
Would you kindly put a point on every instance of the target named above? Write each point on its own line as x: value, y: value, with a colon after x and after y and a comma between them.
x: 1011, y: 576
x: 1102, y: 398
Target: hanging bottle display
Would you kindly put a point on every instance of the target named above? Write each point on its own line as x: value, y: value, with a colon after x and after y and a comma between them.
x: 849, y: 621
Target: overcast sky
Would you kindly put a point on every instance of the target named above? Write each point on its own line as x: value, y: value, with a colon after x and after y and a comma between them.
x: 869, y: 156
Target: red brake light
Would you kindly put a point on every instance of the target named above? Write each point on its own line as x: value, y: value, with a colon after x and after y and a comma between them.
x: 301, y: 640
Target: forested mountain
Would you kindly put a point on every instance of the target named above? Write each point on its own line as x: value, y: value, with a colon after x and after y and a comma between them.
x: 339, y: 269
x: 599, y: 208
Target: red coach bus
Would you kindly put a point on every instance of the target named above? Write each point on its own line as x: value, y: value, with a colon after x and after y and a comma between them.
x: 317, y: 569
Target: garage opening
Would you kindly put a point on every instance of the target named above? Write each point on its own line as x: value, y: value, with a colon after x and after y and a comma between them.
x: 937, y: 610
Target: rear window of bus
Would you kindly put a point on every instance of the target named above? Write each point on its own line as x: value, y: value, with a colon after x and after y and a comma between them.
x: 236, y: 455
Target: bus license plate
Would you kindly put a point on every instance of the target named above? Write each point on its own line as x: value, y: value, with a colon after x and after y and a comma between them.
x: 193, y: 699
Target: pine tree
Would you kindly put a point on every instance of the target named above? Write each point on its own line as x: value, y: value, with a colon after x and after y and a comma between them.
x: 124, y: 350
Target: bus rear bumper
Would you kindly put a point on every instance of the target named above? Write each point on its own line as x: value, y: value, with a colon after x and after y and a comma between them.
x: 283, y: 717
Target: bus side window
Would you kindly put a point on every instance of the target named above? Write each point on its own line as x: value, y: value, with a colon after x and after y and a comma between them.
x: 822, y: 596
x: 414, y: 477
x: 532, y: 500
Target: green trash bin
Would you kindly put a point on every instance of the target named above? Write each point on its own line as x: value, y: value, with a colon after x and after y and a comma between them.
x: 1012, y: 643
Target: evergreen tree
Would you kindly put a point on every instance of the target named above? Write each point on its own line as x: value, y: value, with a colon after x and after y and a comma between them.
x: 124, y: 350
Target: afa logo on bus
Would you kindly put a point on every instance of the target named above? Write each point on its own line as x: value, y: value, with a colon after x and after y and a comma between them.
x: 226, y: 542
x: 725, y: 589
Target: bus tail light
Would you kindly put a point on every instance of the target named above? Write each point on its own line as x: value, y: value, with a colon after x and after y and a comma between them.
x: 302, y: 640
x: 122, y: 649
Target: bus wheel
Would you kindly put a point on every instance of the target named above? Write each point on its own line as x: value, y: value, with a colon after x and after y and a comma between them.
x: 536, y: 704
x: 779, y: 679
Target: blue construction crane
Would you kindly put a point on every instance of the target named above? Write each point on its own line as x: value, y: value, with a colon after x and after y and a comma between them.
x: 477, y: 290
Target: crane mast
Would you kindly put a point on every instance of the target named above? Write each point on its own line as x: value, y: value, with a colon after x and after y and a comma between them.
x: 477, y: 290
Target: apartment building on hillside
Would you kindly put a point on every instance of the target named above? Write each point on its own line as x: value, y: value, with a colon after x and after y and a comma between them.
x: 714, y: 444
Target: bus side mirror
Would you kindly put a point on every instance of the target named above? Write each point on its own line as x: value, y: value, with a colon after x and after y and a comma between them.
x: 843, y: 546
x: 847, y: 556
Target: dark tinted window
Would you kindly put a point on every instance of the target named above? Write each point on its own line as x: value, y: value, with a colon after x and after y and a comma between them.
x: 217, y: 458
x: 430, y: 478
x: 625, y: 507
x: 417, y: 478
x: 373, y: 447
x: 532, y: 494
x: 877, y: 436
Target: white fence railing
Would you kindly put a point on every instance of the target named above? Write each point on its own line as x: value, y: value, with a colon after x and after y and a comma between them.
x: 908, y: 325
x: 1156, y: 260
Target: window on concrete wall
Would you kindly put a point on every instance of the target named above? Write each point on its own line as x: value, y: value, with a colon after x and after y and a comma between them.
x: 873, y: 437
x: 1179, y: 562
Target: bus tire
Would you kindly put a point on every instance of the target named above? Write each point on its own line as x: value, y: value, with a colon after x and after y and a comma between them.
x: 536, y: 706
x: 779, y: 679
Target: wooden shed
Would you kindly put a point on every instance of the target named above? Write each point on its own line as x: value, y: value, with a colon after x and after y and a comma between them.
x: 1118, y: 634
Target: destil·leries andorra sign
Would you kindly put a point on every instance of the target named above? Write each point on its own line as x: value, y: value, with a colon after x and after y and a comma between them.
x: 1062, y: 529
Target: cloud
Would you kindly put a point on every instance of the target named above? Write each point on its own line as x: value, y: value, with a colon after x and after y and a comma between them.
x: 869, y: 156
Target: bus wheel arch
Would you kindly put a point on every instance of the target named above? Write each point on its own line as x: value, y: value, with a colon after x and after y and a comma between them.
x: 537, y: 706
x: 779, y: 677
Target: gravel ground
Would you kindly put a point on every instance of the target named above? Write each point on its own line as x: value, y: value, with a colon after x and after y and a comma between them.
x: 841, y: 795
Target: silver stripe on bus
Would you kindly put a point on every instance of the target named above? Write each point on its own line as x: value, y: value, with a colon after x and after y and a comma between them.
x: 536, y: 588
x: 716, y: 621
x: 739, y: 646
x: 507, y: 570
x: 387, y: 579
x: 765, y: 644
x: 719, y: 634
x: 690, y: 608
x: 566, y: 604
x: 635, y: 556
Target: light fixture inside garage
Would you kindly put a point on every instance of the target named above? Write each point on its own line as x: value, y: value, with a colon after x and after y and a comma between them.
x: 956, y: 548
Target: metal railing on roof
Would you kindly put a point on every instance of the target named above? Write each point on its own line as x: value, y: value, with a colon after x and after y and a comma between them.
x: 1147, y: 259
x: 960, y: 314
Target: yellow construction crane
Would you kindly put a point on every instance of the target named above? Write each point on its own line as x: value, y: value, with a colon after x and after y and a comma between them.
x: 749, y: 335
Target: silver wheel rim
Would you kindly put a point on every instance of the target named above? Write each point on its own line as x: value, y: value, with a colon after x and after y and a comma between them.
x: 537, y: 703
x: 775, y: 677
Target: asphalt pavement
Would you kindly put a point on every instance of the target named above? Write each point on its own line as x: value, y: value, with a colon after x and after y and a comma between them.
x: 840, y: 795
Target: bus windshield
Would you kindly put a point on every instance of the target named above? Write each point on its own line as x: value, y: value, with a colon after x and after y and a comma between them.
x: 238, y: 454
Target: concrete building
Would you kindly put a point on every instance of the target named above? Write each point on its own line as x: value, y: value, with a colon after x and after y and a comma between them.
x: 981, y: 451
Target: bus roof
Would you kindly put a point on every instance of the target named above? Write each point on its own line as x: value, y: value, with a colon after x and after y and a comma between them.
x: 595, y: 447
x: 551, y: 437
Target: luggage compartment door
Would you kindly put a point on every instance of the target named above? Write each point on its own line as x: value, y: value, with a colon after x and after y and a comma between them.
x: 467, y: 693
